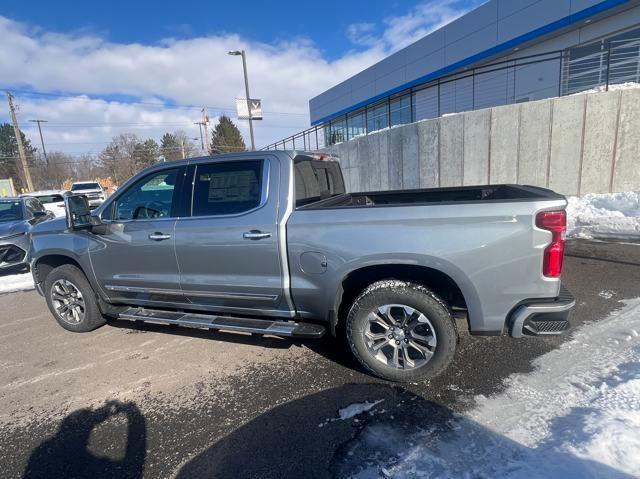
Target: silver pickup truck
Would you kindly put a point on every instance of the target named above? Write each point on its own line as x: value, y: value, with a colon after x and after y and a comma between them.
x: 270, y: 243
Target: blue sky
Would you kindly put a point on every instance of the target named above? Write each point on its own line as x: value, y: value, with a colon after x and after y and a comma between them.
x: 137, y: 66
x: 324, y: 22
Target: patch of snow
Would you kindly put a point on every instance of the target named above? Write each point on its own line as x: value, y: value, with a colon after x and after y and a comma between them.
x: 612, y: 215
x: 357, y: 408
x: 16, y: 282
x: 607, y: 294
x: 353, y: 410
x: 576, y: 416
x: 614, y: 87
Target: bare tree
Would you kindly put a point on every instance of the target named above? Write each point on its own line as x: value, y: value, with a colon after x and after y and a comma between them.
x: 118, y: 159
x: 52, y: 174
x: 191, y: 148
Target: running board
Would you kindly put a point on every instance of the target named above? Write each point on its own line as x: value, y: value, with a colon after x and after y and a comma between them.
x: 225, y: 323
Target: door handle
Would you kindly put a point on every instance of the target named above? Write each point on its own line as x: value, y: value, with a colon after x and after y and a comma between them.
x: 256, y: 235
x: 159, y: 236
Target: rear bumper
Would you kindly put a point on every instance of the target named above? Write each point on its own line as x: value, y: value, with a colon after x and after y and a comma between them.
x: 542, y: 317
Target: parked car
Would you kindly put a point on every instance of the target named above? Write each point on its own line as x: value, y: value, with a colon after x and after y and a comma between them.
x: 270, y: 243
x: 92, y: 190
x: 17, y: 216
x: 53, y: 200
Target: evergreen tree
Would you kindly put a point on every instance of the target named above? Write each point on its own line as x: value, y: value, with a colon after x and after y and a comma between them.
x: 226, y: 137
x: 9, y: 156
x: 170, y: 147
x: 146, y: 154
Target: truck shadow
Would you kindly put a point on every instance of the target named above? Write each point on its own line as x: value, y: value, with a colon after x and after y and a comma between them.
x: 355, y: 430
x: 401, y: 434
x: 67, y: 453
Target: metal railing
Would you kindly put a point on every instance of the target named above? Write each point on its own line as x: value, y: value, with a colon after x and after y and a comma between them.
x: 533, y: 77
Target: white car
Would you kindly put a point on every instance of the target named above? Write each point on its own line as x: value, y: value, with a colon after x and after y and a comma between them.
x: 92, y: 190
x: 52, y: 200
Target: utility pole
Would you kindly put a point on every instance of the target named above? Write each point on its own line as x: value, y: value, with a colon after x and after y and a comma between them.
x: 182, y: 148
x: 21, y: 153
x: 200, y: 123
x: 44, y: 151
x: 246, y: 89
x: 205, y: 122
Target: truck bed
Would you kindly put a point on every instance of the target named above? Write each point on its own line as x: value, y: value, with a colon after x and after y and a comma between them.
x: 451, y: 195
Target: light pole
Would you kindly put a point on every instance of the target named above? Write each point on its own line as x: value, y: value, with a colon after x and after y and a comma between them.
x: 200, y: 123
x: 44, y: 152
x: 246, y: 87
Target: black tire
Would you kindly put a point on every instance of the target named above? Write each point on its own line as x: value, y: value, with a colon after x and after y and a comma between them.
x: 394, y: 292
x: 92, y: 317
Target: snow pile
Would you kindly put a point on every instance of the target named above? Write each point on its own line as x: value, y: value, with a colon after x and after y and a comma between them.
x: 576, y: 416
x: 613, y: 215
x: 16, y: 282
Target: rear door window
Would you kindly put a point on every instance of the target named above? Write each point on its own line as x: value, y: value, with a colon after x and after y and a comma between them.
x: 227, y: 188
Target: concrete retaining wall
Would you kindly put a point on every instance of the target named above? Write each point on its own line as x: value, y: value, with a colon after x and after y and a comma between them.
x: 574, y: 145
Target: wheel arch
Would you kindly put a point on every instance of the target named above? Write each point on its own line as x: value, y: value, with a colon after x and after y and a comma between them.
x: 450, y: 288
x: 43, y: 265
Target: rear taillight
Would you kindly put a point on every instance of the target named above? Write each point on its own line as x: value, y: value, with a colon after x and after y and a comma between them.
x: 556, y: 223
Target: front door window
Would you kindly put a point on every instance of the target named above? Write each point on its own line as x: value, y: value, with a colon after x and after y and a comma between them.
x: 150, y: 198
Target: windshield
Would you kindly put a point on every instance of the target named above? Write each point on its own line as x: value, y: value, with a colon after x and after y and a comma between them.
x: 46, y: 199
x: 85, y: 186
x: 10, y: 210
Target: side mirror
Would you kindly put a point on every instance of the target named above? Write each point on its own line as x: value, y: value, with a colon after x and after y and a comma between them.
x: 40, y: 214
x: 78, y: 212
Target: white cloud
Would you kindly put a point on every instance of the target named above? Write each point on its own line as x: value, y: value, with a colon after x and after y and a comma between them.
x: 362, y: 34
x: 194, y: 71
x: 80, y: 125
x: 400, y: 31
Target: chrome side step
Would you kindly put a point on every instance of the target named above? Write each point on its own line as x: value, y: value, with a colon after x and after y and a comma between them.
x: 225, y: 323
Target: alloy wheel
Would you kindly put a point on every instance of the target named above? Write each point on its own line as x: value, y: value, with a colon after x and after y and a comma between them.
x: 67, y: 301
x: 400, y: 336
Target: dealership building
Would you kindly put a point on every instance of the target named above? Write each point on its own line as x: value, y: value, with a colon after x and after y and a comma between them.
x: 503, y: 52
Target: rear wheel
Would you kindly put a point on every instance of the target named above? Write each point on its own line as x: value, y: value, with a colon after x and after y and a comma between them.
x: 401, y: 331
x: 71, y: 299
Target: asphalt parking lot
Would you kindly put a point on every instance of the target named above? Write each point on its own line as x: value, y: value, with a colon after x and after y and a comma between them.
x: 144, y: 400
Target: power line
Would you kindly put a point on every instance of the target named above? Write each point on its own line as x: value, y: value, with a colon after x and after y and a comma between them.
x: 67, y: 97
x: 141, y: 125
x: 141, y: 149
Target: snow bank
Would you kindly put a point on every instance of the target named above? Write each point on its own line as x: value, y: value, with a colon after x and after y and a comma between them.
x: 613, y: 215
x: 16, y: 282
x: 576, y: 416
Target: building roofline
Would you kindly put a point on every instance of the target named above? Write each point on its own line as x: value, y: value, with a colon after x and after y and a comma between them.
x: 501, y: 48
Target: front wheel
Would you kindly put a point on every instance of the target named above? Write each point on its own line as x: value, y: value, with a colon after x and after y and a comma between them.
x: 71, y: 299
x: 401, y: 331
